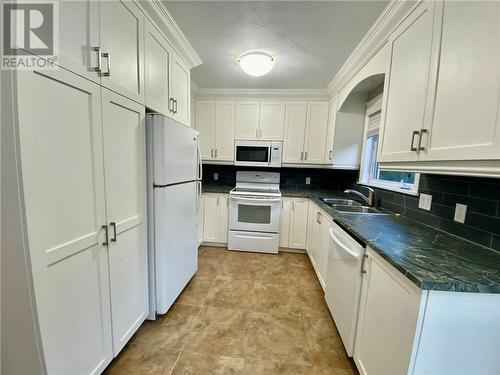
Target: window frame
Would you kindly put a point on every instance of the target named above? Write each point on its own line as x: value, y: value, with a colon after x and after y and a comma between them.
x: 365, y: 173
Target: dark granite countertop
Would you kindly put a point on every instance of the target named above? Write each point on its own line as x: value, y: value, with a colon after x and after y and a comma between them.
x: 431, y: 259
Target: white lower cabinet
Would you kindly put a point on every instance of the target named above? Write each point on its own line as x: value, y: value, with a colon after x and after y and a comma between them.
x: 387, y: 319
x: 293, y: 225
x: 318, y: 241
x: 405, y: 330
x: 215, y: 217
x: 82, y: 167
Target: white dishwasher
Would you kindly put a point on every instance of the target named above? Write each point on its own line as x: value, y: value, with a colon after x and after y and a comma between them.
x: 343, y: 283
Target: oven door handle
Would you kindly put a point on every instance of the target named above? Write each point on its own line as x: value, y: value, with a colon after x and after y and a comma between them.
x: 264, y: 200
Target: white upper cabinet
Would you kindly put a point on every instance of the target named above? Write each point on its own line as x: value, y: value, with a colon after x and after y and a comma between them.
x: 180, y: 97
x: 317, y: 125
x: 295, y: 129
x: 466, y: 122
x: 330, y: 134
x: 246, y: 121
x: 79, y: 38
x: 406, y: 87
x: 215, y: 123
x: 205, y: 125
x: 122, y: 43
x: 224, y: 130
x: 272, y: 120
x: 158, y: 54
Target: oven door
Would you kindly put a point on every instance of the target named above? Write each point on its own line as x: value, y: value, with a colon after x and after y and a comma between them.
x: 252, y: 154
x: 255, y: 214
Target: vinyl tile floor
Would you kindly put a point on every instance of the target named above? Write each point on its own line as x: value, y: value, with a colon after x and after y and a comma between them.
x: 242, y: 313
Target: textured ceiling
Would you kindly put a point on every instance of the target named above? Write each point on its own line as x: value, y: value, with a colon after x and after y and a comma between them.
x: 310, y: 39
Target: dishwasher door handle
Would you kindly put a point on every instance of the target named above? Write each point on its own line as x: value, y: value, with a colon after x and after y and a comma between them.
x: 342, y: 246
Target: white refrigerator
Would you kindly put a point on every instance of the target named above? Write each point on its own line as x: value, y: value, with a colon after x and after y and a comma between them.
x: 174, y: 188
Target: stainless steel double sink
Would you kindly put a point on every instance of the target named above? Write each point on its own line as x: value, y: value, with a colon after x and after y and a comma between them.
x: 350, y: 206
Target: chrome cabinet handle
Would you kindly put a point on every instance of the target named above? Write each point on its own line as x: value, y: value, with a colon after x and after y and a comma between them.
x: 302, y: 156
x: 98, y: 68
x: 212, y: 153
x: 256, y: 133
x: 330, y: 155
x: 106, y: 240
x: 305, y: 155
x: 175, y: 105
x: 108, y: 64
x: 216, y: 153
x: 363, y: 261
x: 113, y: 225
x: 171, y: 105
x: 413, y: 148
x: 218, y: 200
x: 422, y: 132
x: 293, y: 205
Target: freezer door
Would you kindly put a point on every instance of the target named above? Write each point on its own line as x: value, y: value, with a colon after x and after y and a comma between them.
x: 175, y: 155
x: 176, y: 241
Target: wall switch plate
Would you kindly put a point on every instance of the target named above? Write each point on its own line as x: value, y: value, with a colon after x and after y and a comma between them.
x: 308, y: 180
x: 216, y: 176
x: 460, y: 212
x: 425, y: 202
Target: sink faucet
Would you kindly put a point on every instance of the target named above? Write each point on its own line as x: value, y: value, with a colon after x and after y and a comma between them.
x: 368, y: 199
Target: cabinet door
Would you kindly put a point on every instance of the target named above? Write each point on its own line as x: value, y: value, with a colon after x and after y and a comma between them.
x: 246, y: 120
x: 210, y: 218
x: 62, y: 169
x: 122, y: 38
x: 224, y: 130
x: 311, y: 220
x: 272, y: 120
x: 317, y: 126
x: 79, y: 37
x: 298, y: 224
x: 466, y: 122
x: 223, y: 213
x: 387, y: 320
x: 180, y: 89
x: 125, y: 175
x: 315, y: 243
x: 406, y: 89
x: 285, y: 222
x: 205, y: 124
x: 295, y: 129
x: 322, y: 258
x: 330, y: 134
x: 157, y: 58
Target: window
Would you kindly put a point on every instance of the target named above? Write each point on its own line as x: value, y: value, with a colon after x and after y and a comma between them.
x: 370, y: 173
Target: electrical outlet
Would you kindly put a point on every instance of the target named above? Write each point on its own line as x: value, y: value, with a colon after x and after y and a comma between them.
x: 216, y: 176
x: 308, y: 180
x: 460, y: 212
x: 425, y: 202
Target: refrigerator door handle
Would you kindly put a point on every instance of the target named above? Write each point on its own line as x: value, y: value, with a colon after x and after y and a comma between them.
x: 200, y: 169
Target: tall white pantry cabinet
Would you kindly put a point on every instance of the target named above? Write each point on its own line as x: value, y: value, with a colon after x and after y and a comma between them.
x: 80, y: 142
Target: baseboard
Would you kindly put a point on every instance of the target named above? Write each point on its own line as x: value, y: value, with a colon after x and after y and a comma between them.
x: 288, y: 250
x: 214, y: 244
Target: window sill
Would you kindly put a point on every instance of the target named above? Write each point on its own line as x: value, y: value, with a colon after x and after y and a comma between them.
x: 389, y: 187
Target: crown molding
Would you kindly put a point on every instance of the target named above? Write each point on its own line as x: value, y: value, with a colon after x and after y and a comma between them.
x: 262, y: 93
x: 163, y: 20
x: 395, y: 12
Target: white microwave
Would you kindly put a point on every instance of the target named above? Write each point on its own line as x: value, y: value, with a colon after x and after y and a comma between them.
x: 258, y: 153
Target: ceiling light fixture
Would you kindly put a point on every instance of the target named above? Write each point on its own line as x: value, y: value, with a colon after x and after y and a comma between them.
x: 256, y: 63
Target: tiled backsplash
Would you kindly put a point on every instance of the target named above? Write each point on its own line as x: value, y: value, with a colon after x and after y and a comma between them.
x: 291, y: 178
x: 481, y: 195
